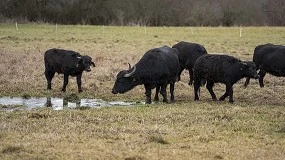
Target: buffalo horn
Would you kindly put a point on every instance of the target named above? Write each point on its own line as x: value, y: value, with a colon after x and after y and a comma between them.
x: 130, y: 74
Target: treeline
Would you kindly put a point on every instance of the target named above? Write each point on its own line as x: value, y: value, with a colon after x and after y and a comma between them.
x: 146, y: 12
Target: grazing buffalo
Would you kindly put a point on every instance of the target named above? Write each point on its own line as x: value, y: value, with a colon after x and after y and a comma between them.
x: 269, y: 58
x: 188, y: 54
x: 66, y: 62
x: 221, y: 69
x: 157, y: 68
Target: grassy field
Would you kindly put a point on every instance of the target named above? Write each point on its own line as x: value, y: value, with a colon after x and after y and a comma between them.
x: 251, y: 128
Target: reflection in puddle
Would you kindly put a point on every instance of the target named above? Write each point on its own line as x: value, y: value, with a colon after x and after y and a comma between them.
x: 11, y: 103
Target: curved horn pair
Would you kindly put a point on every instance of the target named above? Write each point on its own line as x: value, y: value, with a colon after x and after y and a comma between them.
x: 131, y: 73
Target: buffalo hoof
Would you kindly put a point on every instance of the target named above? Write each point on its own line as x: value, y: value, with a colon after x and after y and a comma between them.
x: 114, y: 92
x: 165, y: 101
x: 148, y: 102
x: 156, y: 99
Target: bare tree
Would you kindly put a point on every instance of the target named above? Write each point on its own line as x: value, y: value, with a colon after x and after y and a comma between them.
x: 275, y: 11
x: 146, y: 12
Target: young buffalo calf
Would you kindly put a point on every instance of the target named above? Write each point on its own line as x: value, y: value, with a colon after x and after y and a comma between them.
x: 68, y: 63
x: 221, y: 69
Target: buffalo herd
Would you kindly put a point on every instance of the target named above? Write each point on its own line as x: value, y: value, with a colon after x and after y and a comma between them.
x: 159, y: 67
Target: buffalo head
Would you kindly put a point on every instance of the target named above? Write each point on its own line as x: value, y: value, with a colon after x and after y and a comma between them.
x: 249, y: 69
x: 84, y: 62
x: 125, y: 81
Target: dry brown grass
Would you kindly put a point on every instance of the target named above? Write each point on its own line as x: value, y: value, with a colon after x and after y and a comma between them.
x: 206, y: 131
x: 112, y: 48
x: 251, y: 128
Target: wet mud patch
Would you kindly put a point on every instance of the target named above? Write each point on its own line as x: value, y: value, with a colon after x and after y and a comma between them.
x: 20, y: 103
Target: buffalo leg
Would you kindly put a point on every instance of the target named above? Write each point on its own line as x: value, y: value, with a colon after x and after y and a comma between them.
x: 229, y: 92
x: 148, y: 94
x: 246, y: 82
x: 190, y: 77
x: 179, y: 73
x: 49, y: 75
x: 48, y: 103
x: 209, y: 86
x: 224, y: 96
x: 156, y: 93
x: 196, y: 89
x: 78, y: 78
x: 163, y: 92
x: 261, y: 77
x: 65, y: 82
x: 172, y: 92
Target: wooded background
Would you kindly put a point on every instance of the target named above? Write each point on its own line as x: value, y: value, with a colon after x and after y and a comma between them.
x: 146, y: 12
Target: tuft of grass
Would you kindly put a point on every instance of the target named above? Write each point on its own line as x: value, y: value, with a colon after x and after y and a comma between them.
x: 83, y: 108
x: 26, y: 96
x: 37, y: 115
x: 135, y: 158
x: 218, y: 157
x: 157, y: 139
x: 12, y: 149
x: 281, y: 130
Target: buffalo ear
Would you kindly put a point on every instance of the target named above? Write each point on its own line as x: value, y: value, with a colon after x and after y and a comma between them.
x: 93, y: 64
x: 130, y: 66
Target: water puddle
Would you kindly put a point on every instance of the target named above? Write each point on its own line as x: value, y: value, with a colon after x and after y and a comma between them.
x: 18, y: 103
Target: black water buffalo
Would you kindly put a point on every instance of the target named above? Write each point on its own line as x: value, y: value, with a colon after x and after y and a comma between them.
x: 269, y: 58
x: 222, y: 69
x: 66, y: 62
x: 157, y: 68
x: 188, y: 53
